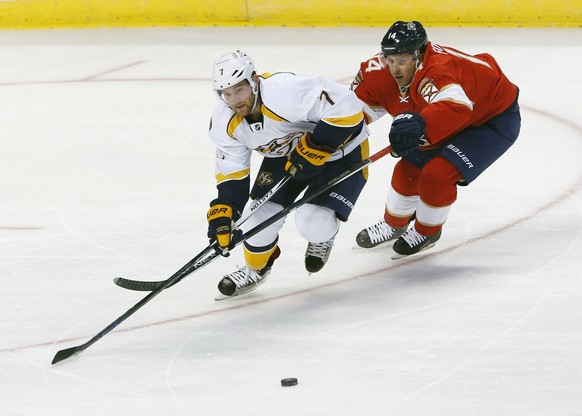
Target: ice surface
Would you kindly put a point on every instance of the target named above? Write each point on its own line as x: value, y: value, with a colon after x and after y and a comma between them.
x: 106, y: 171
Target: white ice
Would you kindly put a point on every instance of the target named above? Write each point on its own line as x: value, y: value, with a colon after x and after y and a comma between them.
x: 106, y: 170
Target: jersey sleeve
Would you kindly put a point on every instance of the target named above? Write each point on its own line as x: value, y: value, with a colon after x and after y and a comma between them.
x: 231, y: 165
x: 364, y: 86
x: 335, y: 111
x: 338, y: 114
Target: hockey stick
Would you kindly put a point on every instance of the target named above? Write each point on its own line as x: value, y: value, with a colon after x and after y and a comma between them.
x: 209, y: 256
x: 146, y: 286
x: 261, y: 201
x: 185, y: 270
x: 193, y: 265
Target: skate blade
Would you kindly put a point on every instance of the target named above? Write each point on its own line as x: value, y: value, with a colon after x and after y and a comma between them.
x: 220, y: 297
x: 398, y: 256
x: 246, y: 290
x: 378, y: 247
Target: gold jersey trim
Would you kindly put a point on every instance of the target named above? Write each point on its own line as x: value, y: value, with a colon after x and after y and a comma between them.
x: 232, y: 176
x: 452, y: 93
x: 233, y: 123
x: 347, y: 121
x: 365, y: 151
x: 268, y: 113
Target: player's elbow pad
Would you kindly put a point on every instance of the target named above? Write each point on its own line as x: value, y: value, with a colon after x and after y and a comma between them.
x: 329, y: 137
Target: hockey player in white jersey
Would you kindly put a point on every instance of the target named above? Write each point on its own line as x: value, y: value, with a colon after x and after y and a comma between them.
x: 308, y: 127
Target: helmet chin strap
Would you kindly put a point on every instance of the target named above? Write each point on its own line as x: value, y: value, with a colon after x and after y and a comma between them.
x: 256, y: 101
x: 256, y: 92
x: 416, y: 56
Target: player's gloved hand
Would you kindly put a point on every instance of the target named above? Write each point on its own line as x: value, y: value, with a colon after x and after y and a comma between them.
x: 407, y: 133
x: 307, y: 160
x: 221, y: 227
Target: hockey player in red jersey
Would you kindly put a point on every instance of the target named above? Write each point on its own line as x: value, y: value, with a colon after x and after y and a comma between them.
x: 454, y: 115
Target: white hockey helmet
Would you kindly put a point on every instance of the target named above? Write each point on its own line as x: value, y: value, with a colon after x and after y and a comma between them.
x: 232, y: 68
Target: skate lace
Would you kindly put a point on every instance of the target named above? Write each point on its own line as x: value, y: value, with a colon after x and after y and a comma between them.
x: 413, y: 238
x: 319, y: 249
x: 244, y: 276
x: 379, y: 232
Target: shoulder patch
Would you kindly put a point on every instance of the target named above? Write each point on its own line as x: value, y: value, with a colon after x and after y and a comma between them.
x: 357, y: 80
x: 423, y: 82
x: 427, y: 89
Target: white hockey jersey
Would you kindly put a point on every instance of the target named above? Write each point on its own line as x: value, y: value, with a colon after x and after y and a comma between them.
x: 291, y: 106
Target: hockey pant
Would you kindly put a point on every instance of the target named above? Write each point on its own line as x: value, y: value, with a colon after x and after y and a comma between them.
x: 315, y: 223
x: 429, y: 192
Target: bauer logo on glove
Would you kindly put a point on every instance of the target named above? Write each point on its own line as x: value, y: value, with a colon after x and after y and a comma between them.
x: 306, y: 160
x: 404, y: 116
x: 221, y: 227
x: 219, y: 211
x: 313, y: 156
x: 407, y: 133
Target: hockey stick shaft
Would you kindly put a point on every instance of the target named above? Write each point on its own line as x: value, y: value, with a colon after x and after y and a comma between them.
x: 259, y: 202
x: 185, y: 270
x: 312, y: 195
x: 209, y: 256
x: 191, y: 267
x: 139, y: 285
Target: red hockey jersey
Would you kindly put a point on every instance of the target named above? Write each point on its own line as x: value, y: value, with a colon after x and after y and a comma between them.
x: 451, y: 89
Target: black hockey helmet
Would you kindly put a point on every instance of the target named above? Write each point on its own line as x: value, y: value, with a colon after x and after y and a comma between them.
x: 404, y: 37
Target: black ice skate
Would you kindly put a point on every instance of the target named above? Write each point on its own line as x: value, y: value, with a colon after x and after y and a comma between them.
x: 317, y: 254
x: 412, y: 242
x: 378, y: 233
x: 245, y: 280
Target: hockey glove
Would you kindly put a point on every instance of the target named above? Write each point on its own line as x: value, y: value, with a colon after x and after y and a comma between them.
x: 307, y: 160
x: 407, y: 133
x: 221, y: 227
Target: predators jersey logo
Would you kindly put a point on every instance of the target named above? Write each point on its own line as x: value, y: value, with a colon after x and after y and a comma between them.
x: 281, y: 146
x: 264, y: 178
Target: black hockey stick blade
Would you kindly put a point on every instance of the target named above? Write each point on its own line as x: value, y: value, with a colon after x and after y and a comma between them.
x: 66, y: 353
x: 138, y: 285
x: 205, y: 257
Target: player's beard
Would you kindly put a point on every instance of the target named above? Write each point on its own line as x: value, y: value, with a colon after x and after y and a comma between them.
x: 245, y: 107
x: 242, y: 109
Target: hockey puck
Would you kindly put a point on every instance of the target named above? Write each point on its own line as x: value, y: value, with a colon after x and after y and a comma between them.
x: 287, y: 382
